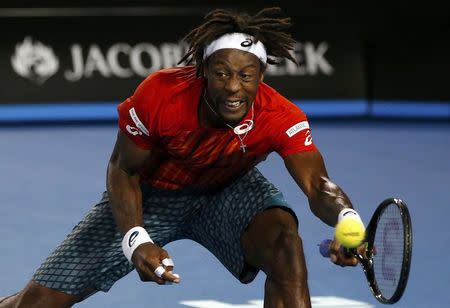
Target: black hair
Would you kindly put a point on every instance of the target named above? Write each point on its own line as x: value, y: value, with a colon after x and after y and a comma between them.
x: 267, y: 26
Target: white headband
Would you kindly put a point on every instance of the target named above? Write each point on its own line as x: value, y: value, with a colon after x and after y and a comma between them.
x: 241, y: 41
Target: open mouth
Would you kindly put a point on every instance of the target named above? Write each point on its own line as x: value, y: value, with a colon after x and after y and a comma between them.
x: 233, y: 104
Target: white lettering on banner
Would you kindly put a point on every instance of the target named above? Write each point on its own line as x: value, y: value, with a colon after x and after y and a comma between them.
x: 95, y: 61
x: 137, y: 55
x: 113, y: 60
x: 316, y: 60
x: 77, y: 60
x: 297, y: 128
x: 171, y: 54
x: 143, y: 59
x: 138, y: 122
x: 311, y: 61
x: 316, y: 302
x: 38, y: 62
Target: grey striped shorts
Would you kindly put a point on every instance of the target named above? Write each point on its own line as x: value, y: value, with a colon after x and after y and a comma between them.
x: 91, y: 255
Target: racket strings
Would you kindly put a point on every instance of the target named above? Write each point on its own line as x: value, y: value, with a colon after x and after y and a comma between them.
x: 389, y: 244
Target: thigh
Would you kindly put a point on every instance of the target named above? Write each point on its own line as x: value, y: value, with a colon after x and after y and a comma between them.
x: 221, y: 222
x: 270, y: 234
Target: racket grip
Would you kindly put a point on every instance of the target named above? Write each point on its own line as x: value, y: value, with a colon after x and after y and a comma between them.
x: 324, y: 248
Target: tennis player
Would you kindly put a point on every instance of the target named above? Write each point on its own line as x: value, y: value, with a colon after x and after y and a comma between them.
x: 183, y: 167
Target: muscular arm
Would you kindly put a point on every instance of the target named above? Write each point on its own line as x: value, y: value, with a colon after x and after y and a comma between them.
x: 123, y: 183
x: 326, y: 199
x: 125, y: 198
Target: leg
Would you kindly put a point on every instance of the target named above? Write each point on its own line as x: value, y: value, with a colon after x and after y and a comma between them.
x: 77, y: 268
x: 271, y: 243
x: 88, y: 260
x: 37, y: 296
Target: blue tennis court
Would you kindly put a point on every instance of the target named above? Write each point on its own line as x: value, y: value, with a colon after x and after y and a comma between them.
x: 50, y: 176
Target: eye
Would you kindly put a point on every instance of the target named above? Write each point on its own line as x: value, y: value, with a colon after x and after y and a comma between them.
x: 220, y: 74
x: 246, y: 77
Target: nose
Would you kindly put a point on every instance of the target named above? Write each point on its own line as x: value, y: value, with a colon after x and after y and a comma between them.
x: 233, y: 84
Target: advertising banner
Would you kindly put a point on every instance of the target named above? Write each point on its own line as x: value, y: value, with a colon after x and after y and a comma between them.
x: 99, y: 61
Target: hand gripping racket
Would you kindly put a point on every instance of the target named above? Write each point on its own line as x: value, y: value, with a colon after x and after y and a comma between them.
x: 387, y: 260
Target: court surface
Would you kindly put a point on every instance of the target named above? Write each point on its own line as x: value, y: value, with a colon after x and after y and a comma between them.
x: 51, y: 175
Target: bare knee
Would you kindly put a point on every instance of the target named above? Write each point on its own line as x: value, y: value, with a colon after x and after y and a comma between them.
x: 272, y: 243
x: 36, y: 296
x: 286, y: 259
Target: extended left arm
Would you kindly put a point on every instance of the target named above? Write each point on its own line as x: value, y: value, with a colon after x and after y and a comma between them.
x: 326, y: 199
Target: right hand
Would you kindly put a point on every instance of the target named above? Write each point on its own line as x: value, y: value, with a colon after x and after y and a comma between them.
x: 339, y: 257
x: 146, y: 258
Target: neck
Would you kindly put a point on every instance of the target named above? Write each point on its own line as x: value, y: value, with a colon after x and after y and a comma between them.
x: 210, y: 117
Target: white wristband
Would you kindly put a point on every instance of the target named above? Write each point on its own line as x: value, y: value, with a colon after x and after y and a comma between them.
x: 132, y: 239
x: 348, y: 213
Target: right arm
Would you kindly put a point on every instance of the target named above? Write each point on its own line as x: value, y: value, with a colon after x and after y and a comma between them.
x: 125, y: 198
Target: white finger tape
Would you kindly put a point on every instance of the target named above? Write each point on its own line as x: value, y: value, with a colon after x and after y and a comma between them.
x: 159, y: 271
x: 167, y: 262
x: 170, y: 282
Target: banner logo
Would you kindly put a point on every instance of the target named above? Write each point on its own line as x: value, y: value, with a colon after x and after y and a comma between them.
x: 34, y: 60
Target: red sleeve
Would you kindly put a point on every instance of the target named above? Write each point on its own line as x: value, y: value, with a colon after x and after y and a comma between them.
x: 293, y: 132
x: 137, y: 114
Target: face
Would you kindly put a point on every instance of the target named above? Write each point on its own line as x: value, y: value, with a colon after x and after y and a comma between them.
x: 233, y: 77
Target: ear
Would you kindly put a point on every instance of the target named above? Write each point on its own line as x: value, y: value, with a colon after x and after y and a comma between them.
x: 205, y: 70
x: 263, y: 70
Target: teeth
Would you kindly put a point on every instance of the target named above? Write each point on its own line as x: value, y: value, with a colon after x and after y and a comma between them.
x: 233, y: 103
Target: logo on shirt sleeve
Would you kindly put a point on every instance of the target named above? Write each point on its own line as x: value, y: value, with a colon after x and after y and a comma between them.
x: 297, y: 128
x: 308, y: 140
x: 140, y: 126
x: 133, y: 130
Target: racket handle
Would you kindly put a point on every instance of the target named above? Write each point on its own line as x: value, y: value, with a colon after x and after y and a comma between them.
x: 324, y: 248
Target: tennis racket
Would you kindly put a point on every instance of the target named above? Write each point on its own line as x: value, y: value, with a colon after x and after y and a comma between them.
x: 387, y: 259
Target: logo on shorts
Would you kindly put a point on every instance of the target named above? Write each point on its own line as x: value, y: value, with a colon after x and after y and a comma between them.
x: 247, y: 43
x: 132, y: 238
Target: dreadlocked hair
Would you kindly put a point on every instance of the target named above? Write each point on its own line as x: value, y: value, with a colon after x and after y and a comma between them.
x: 266, y: 26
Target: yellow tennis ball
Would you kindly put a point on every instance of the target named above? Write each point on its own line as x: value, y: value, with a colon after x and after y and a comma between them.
x: 350, y: 232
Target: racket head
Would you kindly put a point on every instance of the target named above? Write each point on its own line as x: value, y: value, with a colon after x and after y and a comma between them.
x: 389, y: 249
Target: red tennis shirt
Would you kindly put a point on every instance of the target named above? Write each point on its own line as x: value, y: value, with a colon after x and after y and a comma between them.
x: 162, y: 116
